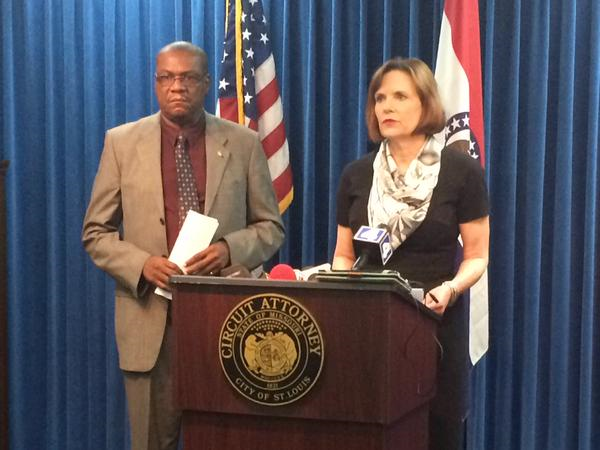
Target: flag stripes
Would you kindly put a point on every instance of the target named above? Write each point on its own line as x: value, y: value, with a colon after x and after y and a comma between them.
x: 458, y: 74
x: 249, y: 92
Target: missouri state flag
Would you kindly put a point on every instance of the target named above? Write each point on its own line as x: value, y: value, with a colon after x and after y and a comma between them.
x: 248, y: 92
x: 458, y: 74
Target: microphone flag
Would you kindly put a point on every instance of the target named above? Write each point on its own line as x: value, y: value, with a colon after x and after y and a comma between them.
x: 375, y: 238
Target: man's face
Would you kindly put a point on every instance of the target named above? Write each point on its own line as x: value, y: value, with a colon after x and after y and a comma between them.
x: 181, y: 85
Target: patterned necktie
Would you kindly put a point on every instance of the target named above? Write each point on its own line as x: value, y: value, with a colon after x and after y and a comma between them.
x: 187, y: 191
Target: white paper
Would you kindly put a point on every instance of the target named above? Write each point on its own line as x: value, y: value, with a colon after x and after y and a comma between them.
x: 195, y: 235
x: 305, y: 274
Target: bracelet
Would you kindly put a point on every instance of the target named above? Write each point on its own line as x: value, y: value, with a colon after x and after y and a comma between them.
x: 453, y: 293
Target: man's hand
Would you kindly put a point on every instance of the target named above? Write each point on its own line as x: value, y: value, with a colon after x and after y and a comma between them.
x: 210, y: 260
x: 158, y: 269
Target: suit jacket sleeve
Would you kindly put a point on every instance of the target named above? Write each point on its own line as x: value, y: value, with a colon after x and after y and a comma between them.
x: 101, y: 235
x: 264, y: 231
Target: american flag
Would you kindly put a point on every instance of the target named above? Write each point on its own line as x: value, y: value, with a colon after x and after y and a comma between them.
x: 458, y: 74
x: 248, y: 89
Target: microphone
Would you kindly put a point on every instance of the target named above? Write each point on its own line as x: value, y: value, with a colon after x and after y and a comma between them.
x: 235, y: 271
x: 282, y: 272
x: 375, y: 246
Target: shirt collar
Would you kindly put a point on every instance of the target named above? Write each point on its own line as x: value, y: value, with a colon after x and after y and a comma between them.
x: 170, y: 130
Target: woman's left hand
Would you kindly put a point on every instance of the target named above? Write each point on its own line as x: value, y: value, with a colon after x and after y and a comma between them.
x: 438, y: 299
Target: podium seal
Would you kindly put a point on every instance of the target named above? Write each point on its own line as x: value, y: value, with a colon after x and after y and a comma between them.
x: 271, y: 349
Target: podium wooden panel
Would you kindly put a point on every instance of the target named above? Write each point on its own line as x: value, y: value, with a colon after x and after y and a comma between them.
x: 373, y: 392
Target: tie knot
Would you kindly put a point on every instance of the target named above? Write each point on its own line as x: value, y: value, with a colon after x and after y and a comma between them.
x: 180, y: 142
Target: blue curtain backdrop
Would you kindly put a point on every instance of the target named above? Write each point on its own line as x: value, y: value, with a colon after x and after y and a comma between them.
x: 73, y: 68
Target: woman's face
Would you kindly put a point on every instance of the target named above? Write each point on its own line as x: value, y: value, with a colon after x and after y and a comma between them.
x: 397, y: 105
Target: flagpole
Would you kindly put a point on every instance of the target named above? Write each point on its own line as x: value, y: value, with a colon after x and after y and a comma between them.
x: 226, y: 16
x: 238, y: 61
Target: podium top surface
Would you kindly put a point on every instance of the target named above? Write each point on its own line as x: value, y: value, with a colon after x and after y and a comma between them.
x: 354, y: 285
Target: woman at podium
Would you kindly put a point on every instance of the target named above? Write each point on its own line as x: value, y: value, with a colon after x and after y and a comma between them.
x: 426, y: 194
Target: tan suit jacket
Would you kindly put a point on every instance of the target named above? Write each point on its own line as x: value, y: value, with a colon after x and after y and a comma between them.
x: 125, y: 221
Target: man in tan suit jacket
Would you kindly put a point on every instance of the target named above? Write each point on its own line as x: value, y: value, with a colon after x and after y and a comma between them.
x: 125, y: 227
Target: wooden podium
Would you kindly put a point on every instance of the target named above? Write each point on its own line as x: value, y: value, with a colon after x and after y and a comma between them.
x: 377, y: 378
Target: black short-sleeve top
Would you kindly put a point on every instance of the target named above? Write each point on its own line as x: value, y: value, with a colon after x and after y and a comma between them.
x: 428, y: 255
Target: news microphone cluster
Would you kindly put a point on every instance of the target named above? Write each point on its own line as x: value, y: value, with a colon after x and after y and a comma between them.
x: 282, y: 272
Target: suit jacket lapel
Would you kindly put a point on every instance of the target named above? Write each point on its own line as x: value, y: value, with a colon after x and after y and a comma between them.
x: 217, y: 155
x: 149, y: 157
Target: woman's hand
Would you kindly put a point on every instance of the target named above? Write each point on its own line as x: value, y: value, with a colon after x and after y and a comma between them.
x: 438, y: 298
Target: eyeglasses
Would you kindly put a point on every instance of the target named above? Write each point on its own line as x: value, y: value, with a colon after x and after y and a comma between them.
x: 187, y: 79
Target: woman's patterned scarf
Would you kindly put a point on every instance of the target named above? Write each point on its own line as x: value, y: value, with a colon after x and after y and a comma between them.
x: 400, y: 202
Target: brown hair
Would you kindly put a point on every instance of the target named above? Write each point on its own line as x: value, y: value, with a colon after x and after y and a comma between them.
x: 432, y: 118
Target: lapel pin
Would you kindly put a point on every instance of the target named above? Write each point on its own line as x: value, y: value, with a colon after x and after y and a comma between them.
x: 220, y: 154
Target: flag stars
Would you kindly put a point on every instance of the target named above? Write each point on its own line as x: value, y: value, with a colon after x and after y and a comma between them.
x: 223, y: 84
x: 455, y: 124
x: 465, y: 121
x: 246, y: 35
x: 264, y: 19
x: 252, y: 2
x: 247, y: 98
x: 225, y: 55
x: 249, y: 53
x: 245, y: 79
x: 263, y: 38
x: 243, y: 16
